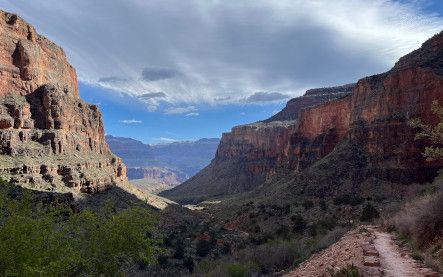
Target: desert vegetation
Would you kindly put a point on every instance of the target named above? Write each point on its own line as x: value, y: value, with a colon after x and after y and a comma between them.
x: 432, y: 133
x: 41, y: 238
x: 275, y: 255
x: 419, y: 225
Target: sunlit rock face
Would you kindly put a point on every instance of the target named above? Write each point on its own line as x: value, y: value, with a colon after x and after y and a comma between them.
x: 50, y: 138
x: 373, y: 114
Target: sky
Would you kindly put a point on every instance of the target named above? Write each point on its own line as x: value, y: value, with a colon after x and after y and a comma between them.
x: 172, y: 70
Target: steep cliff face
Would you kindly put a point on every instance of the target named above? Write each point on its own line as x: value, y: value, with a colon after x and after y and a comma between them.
x: 252, y: 153
x: 50, y: 138
x: 320, y: 129
x: 374, y: 118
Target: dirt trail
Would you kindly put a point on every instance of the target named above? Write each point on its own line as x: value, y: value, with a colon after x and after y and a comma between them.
x: 372, y: 251
x: 396, y: 261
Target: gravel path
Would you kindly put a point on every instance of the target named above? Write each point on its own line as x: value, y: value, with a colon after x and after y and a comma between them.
x: 372, y: 251
x: 396, y: 262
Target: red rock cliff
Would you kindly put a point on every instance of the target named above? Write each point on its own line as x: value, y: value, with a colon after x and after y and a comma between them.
x: 50, y: 138
x: 374, y: 117
x: 251, y: 153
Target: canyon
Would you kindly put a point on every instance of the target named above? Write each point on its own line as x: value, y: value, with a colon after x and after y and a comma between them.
x: 158, y: 167
x: 373, y: 114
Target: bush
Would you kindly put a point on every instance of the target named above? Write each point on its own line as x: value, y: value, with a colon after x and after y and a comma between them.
x: 237, y: 270
x: 348, y: 199
x: 188, y: 262
x: 203, y: 247
x: 51, y: 240
x: 323, y: 205
x: 268, y: 258
x: 421, y: 220
x: 308, y: 204
x: 299, y: 223
x: 369, y: 213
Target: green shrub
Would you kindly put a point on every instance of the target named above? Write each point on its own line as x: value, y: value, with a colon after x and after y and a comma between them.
x: 203, y: 247
x: 268, y: 258
x: 369, y: 213
x: 308, y: 204
x: 348, y: 199
x: 51, y: 240
x: 298, y: 223
x: 237, y: 270
x: 323, y: 205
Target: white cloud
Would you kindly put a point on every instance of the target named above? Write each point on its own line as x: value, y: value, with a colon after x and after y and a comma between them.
x: 223, y: 51
x: 131, y: 121
x: 180, y: 110
x: 193, y: 114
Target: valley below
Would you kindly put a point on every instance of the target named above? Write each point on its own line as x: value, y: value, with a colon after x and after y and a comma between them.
x: 344, y: 181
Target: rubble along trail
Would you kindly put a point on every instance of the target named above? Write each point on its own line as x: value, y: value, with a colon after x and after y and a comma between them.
x: 372, y: 251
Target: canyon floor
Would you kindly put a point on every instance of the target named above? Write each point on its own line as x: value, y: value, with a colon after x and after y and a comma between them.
x: 373, y: 251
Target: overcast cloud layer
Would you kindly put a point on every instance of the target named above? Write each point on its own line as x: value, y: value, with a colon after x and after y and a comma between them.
x: 185, y: 53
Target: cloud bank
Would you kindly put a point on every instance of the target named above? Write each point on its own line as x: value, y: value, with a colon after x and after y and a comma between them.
x: 185, y: 53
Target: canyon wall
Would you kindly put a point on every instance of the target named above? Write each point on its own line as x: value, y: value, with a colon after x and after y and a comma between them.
x: 50, y: 138
x: 252, y: 153
x: 374, y: 117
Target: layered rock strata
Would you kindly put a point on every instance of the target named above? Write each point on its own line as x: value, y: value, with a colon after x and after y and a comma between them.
x: 374, y: 116
x: 50, y: 138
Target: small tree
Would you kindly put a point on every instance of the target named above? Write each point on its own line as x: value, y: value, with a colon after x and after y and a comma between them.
x: 433, y: 133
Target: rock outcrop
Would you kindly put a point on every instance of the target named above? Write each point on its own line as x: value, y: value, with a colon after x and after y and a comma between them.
x: 50, y: 138
x: 374, y: 117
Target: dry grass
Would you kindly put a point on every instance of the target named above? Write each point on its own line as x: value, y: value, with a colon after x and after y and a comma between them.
x: 420, y: 224
x: 421, y: 220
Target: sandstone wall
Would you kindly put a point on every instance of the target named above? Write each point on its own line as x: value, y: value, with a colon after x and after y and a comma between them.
x: 50, y: 138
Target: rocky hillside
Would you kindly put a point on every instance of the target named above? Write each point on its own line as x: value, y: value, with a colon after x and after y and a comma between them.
x: 373, y: 119
x: 50, y: 138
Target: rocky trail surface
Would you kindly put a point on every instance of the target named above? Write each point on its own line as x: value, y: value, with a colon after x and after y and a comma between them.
x: 372, y: 251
